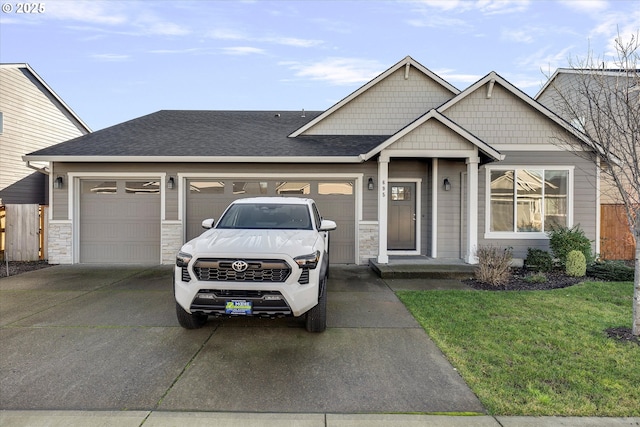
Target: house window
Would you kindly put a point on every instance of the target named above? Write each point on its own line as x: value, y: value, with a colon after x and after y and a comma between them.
x: 400, y: 192
x: 528, y: 200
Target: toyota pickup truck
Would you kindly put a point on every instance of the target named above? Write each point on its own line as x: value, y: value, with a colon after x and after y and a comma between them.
x: 266, y: 256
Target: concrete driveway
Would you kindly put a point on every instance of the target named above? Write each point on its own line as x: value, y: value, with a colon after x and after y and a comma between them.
x: 106, y: 338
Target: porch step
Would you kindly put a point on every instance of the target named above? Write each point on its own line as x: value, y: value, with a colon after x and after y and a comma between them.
x: 398, y: 270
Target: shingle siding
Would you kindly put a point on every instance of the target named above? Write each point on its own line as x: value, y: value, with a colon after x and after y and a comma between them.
x: 502, y: 119
x: 431, y: 135
x: 386, y: 107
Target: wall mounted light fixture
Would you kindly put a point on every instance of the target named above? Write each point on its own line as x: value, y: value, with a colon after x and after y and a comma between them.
x: 370, y: 183
x: 57, y: 184
x: 171, y: 183
x: 447, y: 184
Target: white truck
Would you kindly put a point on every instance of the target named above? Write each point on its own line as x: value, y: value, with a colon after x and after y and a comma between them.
x: 266, y: 256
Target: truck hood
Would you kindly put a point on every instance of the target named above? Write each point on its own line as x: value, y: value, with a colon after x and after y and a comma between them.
x: 264, y: 242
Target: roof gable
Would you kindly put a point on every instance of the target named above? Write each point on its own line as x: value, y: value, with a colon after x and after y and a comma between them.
x: 428, y: 118
x: 509, y: 113
x: 385, y: 104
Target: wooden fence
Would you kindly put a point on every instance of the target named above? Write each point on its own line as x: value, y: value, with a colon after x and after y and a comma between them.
x: 616, y: 240
x: 23, y: 232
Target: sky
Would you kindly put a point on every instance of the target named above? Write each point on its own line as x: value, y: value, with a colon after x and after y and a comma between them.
x: 113, y: 61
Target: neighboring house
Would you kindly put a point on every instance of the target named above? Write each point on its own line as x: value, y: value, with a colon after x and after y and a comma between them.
x: 32, y: 117
x: 406, y: 165
x: 616, y: 239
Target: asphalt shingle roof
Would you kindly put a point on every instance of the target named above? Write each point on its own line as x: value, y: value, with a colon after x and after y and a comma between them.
x: 214, y: 134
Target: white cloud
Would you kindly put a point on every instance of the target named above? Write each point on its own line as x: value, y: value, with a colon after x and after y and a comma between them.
x: 290, y: 41
x: 128, y: 17
x: 225, y: 34
x: 489, y: 7
x: 545, y: 60
x: 337, y: 71
x: 110, y: 57
x: 242, y: 50
x: 586, y: 6
x: 97, y: 12
x: 452, y: 77
x: 523, y: 35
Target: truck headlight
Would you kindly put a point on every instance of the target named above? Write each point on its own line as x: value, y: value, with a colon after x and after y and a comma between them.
x: 183, y: 259
x: 308, y: 261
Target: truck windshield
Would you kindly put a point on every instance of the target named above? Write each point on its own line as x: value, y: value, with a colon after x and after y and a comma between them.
x: 266, y: 216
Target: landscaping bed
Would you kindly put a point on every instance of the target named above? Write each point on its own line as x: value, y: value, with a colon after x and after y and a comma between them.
x: 18, y: 267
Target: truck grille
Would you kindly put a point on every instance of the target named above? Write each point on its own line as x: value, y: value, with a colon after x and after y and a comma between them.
x: 220, y: 270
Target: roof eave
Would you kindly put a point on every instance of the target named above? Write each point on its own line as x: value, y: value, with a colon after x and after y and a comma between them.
x: 193, y: 159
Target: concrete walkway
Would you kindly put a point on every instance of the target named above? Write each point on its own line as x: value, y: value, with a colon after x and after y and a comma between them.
x: 87, y: 345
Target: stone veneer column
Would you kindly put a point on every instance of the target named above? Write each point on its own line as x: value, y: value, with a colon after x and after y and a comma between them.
x: 368, y: 242
x: 59, y: 245
x: 172, y: 240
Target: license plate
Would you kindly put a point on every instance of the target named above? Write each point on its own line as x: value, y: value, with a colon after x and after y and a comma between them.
x: 238, y: 307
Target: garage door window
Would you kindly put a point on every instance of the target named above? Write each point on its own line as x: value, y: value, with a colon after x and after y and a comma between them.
x: 99, y: 187
x: 288, y: 187
x: 335, y: 188
x: 142, y: 187
x: 206, y: 187
x: 252, y: 188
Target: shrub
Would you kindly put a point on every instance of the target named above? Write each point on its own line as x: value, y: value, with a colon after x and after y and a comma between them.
x: 563, y: 240
x: 536, y: 278
x: 613, y: 271
x: 576, y: 264
x: 493, y: 265
x: 538, y: 260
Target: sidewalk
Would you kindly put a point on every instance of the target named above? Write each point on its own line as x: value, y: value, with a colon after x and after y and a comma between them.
x: 225, y: 419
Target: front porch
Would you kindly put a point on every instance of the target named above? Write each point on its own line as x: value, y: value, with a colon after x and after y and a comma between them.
x: 422, y: 267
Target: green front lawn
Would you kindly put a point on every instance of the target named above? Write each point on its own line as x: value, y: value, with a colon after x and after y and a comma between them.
x: 538, y: 352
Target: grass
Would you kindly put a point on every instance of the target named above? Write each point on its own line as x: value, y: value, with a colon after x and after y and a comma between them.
x: 538, y: 352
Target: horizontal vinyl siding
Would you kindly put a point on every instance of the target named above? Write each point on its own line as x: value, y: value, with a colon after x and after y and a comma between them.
x: 449, y: 213
x: 32, y: 120
x: 386, y: 107
x: 584, y: 197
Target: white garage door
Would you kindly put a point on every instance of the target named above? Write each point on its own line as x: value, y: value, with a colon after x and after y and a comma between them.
x: 120, y: 222
x: 335, y: 201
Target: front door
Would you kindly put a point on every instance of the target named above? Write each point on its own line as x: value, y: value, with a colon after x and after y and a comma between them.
x: 401, y: 229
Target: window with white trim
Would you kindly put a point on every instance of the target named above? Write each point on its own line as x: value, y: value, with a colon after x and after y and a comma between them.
x: 528, y: 200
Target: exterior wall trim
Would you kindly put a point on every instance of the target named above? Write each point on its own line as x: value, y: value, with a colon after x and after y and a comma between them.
x: 73, y: 210
x: 418, y: 231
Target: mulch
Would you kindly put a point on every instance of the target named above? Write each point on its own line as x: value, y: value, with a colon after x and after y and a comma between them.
x: 17, y: 267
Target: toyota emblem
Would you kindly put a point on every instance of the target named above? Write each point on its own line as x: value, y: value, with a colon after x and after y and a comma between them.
x: 239, y: 266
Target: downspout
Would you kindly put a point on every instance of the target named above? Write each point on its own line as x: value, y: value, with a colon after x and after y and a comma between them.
x: 45, y: 170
